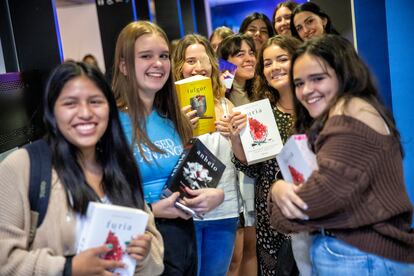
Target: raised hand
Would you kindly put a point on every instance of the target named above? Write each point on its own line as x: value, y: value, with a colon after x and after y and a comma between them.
x: 238, y: 122
x: 191, y: 115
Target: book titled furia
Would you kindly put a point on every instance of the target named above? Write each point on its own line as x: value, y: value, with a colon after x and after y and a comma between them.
x: 198, y: 92
x: 115, y: 225
x: 196, y: 168
x: 260, y: 138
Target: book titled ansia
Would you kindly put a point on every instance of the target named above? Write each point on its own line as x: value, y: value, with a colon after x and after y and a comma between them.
x: 198, y: 92
x: 111, y: 224
x: 196, y: 168
x: 296, y: 161
x: 260, y: 138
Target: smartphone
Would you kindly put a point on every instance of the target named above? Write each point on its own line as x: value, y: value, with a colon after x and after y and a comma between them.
x: 188, y: 210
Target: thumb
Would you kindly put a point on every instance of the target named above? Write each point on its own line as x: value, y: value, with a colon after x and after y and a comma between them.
x: 186, y: 108
x: 174, y: 196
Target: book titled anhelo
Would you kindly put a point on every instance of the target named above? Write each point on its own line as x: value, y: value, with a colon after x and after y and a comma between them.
x: 196, y: 168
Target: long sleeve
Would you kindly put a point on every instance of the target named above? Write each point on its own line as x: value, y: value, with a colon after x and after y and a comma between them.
x: 153, y: 263
x: 252, y: 171
x: 342, y: 193
x: 15, y: 256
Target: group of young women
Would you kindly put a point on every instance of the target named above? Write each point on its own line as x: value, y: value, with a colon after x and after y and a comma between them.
x: 118, y: 146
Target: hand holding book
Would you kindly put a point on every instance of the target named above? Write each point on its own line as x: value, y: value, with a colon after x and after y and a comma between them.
x: 296, y: 162
x: 191, y: 115
x: 166, y: 207
x: 139, y: 246
x: 89, y: 261
x: 203, y: 200
x: 238, y: 122
x: 284, y: 194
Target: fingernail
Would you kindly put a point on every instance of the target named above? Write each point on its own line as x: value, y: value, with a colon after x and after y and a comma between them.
x: 306, y: 218
x: 305, y: 207
x: 109, y: 246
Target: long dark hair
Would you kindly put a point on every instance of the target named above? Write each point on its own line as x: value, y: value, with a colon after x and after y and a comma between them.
x: 313, y: 8
x: 254, y: 16
x: 354, y: 80
x: 262, y: 89
x: 121, y: 181
x: 231, y: 46
x: 287, y: 4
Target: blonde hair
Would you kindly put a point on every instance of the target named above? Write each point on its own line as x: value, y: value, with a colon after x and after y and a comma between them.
x: 179, y: 59
x: 125, y: 87
x: 221, y: 32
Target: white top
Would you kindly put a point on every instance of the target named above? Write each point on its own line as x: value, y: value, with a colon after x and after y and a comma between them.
x: 221, y: 148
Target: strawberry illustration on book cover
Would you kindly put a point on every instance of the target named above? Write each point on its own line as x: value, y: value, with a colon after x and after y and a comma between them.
x: 258, y: 131
x: 116, y: 253
x: 296, y: 175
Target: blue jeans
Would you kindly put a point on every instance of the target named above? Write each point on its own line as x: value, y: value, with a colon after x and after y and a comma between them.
x: 331, y: 256
x: 215, y: 243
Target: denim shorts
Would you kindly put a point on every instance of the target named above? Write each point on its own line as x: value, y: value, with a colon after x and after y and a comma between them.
x: 331, y: 256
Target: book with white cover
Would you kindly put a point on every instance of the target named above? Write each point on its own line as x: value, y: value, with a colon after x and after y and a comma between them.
x: 260, y: 138
x: 111, y: 224
x: 296, y: 161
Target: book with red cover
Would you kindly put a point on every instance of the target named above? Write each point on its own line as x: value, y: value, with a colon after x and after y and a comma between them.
x: 296, y: 161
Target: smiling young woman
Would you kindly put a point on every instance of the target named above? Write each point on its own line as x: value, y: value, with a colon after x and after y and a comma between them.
x: 272, y: 82
x: 216, y: 232
x: 91, y: 161
x: 258, y: 27
x: 355, y: 204
x: 308, y: 20
x: 281, y: 17
x: 157, y: 130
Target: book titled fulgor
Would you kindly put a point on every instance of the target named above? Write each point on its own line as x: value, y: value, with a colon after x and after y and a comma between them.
x: 196, y: 168
x: 197, y: 91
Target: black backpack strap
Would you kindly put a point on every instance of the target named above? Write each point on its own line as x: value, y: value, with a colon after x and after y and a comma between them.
x: 40, y: 177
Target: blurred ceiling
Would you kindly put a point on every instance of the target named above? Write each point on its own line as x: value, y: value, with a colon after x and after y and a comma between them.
x: 68, y: 3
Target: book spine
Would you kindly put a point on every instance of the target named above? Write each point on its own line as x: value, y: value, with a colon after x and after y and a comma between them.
x: 84, y: 236
x: 181, y: 95
x: 180, y: 162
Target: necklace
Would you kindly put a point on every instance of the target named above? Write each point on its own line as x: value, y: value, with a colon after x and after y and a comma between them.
x: 282, y: 108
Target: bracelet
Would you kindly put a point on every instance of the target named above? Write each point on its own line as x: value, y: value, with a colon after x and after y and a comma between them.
x: 67, y: 269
